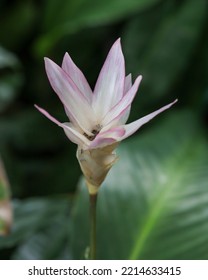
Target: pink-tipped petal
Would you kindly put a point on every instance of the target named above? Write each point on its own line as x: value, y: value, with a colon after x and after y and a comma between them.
x: 121, y: 107
x: 110, y: 84
x: 127, y: 83
x: 134, y: 126
x: 71, y: 133
x: 123, y: 117
x: 74, y: 135
x: 107, y: 137
x: 77, y: 76
x: 71, y: 97
x: 45, y: 113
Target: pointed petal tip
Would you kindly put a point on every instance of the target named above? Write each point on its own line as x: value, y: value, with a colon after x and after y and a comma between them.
x: 38, y: 108
x: 110, y: 81
x: 117, y: 43
x: 66, y: 55
x: 138, y: 81
x: 172, y: 103
x: 48, y: 63
x: 140, y: 77
x: 46, y: 59
x: 47, y: 115
x: 134, y: 126
x: 67, y: 63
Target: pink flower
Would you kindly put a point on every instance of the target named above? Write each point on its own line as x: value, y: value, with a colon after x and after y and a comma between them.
x: 97, y: 118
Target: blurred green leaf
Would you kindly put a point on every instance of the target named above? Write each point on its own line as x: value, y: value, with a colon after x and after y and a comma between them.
x: 5, y: 206
x: 40, y: 229
x: 161, y: 43
x: 48, y: 162
x: 17, y: 19
x: 68, y: 17
x: 154, y: 203
x: 10, y: 78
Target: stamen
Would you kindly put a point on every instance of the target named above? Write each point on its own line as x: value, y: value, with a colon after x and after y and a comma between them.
x: 94, y: 133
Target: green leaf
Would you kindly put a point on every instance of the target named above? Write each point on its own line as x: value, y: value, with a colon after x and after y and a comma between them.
x: 18, y: 20
x: 72, y: 16
x: 40, y: 229
x: 161, y: 43
x: 154, y: 203
x: 5, y: 207
x: 45, y: 161
x: 10, y: 78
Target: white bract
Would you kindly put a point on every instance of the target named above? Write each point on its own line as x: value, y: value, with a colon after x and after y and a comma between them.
x: 97, y: 118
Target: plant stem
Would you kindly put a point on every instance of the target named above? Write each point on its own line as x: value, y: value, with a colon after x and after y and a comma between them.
x: 93, y: 201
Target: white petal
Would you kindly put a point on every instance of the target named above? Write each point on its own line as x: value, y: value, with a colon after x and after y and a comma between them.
x: 120, y: 109
x: 71, y: 133
x: 45, y: 113
x: 134, y: 126
x: 110, y: 84
x: 118, y: 121
x: 77, y: 76
x: 74, y: 135
x: 125, y: 115
x: 127, y: 83
x: 73, y: 100
x: 122, y: 119
x: 107, y: 137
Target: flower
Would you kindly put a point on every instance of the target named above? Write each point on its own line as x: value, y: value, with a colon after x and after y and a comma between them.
x: 97, y: 118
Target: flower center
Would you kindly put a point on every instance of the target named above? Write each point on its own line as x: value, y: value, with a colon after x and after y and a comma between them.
x: 94, y: 132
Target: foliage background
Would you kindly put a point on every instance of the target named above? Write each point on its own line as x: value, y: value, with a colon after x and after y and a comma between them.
x: 154, y: 204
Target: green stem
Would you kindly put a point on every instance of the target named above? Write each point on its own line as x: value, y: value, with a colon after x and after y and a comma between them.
x: 93, y: 200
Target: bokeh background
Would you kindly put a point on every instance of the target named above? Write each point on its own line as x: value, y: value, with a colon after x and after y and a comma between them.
x: 154, y: 203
